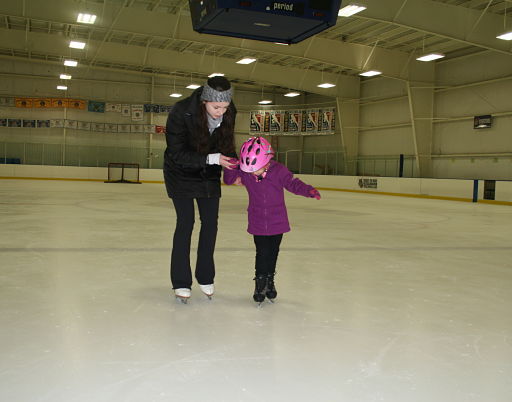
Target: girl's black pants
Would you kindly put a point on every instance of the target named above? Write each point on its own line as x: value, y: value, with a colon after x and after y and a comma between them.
x: 267, y: 250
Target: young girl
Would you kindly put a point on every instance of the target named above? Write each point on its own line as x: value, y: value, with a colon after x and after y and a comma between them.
x: 265, y: 180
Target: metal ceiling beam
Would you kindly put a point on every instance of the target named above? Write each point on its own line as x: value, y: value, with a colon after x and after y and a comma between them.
x: 453, y: 22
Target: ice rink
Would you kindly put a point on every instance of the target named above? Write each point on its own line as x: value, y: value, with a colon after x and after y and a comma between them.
x: 381, y: 298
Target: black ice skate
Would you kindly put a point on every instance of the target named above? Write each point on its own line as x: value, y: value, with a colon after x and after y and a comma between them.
x: 260, y: 287
x: 271, y: 291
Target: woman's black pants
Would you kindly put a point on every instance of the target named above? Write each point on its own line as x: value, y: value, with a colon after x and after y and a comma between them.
x: 267, y: 250
x: 181, y: 273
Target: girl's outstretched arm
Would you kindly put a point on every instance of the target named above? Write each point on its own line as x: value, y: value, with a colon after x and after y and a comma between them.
x: 296, y: 186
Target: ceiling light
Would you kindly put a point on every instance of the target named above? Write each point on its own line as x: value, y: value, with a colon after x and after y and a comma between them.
x: 62, y: 87
x: 216, y: 75
x: 505, y: 36
x: 351, y: 9
x: 264, y: 102
x: 370, y: 73
x: 76, y: 45
x: 280, y: 43
x: 70, y: 63
x: 326, y: 85
x: 292, y: 94
x: 193, y: 86
x: 430, y: 57
x: 65, y: 77
x: 86, y: 18
x: 175, y: 95
x: 246, y: 60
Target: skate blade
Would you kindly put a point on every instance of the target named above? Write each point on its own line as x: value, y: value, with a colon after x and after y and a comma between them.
x: 183, y: 300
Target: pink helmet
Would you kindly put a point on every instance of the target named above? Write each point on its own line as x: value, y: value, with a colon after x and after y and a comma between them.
x: 255, y: 153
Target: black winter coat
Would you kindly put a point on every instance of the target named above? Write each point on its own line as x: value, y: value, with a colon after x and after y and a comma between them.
x: 186, y: 173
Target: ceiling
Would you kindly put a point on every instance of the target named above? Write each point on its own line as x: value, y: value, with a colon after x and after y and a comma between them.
x: 155, y: 37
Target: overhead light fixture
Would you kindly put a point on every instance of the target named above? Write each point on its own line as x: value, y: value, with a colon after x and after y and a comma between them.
x: 76, y: 45
x: 350, y: 9
x: 281, y: 43
x: 216, y: 75
x: 505, y: 36
x: 62, y: 87
x: 86, y: 18
x: 430, y: 57
x: 71, y: 63
x: 292, y: 94
x: 264, y: 102
x: 326, y: 85
x: 175, y: 95
x: 65, y: 77
x: 370, y: 73
x: 246, y: 60
x: 193, y: 86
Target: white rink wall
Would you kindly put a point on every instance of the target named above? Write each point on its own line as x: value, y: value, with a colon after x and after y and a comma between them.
x: 441, y: 188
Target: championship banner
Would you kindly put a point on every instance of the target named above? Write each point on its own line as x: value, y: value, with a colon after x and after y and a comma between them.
x: 58, y: 123
x: 96, y: 107
x: 312, y: 120
x: 113, y: 107
x: 43, y: 123
x: 72, y: 124
x: 160, y: 129
x: 41, y: 103
x: 149, y: 128
x: 3, y: 122
x: 76, y: 104
x: 327, y: 121
x: 23, y: 102
x: 14, y: 122
x: 29, y: 123
x: 111, y: 128
x: 137, y: 112
x: 98, y: 127
x: 276, y: 121
x: 125, y: 110
x: 256, y: 122
x: 137, y: 128
x: 84, y: 125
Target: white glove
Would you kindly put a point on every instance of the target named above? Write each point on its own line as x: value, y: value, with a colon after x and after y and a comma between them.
x: 213, y: 159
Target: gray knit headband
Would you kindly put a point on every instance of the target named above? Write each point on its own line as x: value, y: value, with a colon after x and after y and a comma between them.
x: 211, y: 95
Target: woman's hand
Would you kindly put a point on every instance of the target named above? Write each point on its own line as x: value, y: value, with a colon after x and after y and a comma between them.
x: 228, y: 162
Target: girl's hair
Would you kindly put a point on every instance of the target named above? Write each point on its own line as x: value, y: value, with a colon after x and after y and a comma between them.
x: 201, y: 136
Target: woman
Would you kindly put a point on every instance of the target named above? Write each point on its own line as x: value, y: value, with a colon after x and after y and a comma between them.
x: 200, y: 141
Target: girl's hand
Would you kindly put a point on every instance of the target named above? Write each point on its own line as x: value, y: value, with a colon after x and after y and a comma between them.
x: 314, y: 193
x: 228, y: 162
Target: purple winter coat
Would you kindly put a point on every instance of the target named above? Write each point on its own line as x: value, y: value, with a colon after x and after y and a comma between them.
x: 267, y: 211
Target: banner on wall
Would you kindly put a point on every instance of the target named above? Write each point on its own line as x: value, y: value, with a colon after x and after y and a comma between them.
x: 29, y: 123
x: 149, y: 128
x: 76, y: 104
x: 137, y: 112
x: 24, y: 102
x: 84, y: 125
x: 123, y: 128
x: 13, y: 122
x: 41, y: 103
x: 96, y: 107
x: 59, y: 102
x: 43, y: 123
x: 293, y: 122
x: 57, y: 123
x: 126, y: 110
x: 111, y: 128
x: 71, y: 124
x: 7, y: 101
x: 113, y: 107
x: 98, y: 127
x: 137, y: 128
x: 3, y: 122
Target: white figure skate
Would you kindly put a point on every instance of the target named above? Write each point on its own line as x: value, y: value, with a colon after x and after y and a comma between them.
x: 182, y: 294
x: 208, y: 290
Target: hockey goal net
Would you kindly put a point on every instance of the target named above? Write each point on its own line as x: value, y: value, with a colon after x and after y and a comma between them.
x: 123, y: 173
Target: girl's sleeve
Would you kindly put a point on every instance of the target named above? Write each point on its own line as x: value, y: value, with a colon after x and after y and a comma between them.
x: 177, y: 138
x: 295, y: 185
x: 230, y: 175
